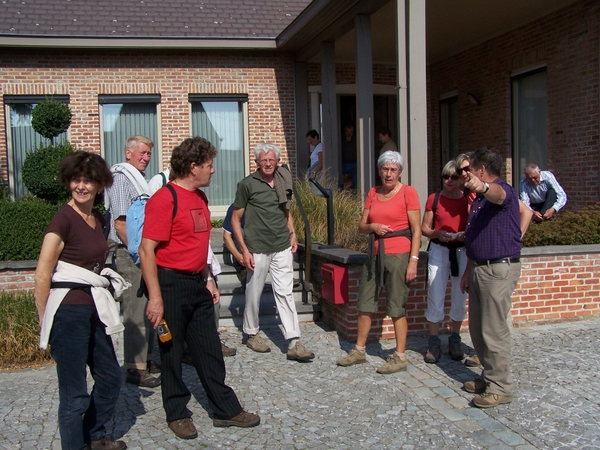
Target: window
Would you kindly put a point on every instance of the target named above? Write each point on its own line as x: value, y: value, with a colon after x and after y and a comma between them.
x: 124, y: 116
x: 21, y: 136
x: 220, y: 119
x: 449, y: 127
x: 529, y: 122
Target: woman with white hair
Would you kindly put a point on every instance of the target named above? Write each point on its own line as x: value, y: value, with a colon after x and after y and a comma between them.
x: 391, y: 218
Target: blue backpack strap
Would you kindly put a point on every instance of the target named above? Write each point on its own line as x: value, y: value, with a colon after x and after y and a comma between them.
x: 164, y: 179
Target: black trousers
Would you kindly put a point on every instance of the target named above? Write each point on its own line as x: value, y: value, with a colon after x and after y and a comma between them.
x: 548, y: 203
x: 189, y: 313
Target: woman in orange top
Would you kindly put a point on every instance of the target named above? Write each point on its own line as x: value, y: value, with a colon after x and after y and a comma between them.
x: 391, y: 217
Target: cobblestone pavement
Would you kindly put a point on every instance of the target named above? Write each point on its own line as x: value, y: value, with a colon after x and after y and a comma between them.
x: 320, y: 405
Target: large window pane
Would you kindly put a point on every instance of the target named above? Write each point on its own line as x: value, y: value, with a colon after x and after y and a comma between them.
x: 22, y: 138
x: 221, y: 122
x: 449, y: 129
x: 530, y: 128
x: 121, y: 120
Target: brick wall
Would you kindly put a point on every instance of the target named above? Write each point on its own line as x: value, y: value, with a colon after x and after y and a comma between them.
x: 267, y: 78
x: 555, y: 287
x: 567, y: 43
x: 552, y: 287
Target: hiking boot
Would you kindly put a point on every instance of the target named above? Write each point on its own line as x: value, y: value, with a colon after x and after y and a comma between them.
x: 434, y: 351
x: 354, y: 357
x: 472, y: 361
x: 153, y: 367
x: 142, y: 378
x: 184, y: 428
x: 393, y: 364
x: 299, y: 353
x: 228, y: 351
x: 256, y: 343
x: 489, y: 400
x: 477, y: 386
x: 454, y: 347
x: 243, y: 419
x: 107, y: 443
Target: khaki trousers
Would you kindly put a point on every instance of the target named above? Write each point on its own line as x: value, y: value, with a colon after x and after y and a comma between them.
x: 490, y: 290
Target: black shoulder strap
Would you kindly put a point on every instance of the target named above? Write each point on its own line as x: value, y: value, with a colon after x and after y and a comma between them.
x: 436, y: 200
x: 164, y: 179
x: 174, y: 194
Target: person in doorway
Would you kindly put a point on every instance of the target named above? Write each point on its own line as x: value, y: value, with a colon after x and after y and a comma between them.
x: 385, y: 137
x: 315, y: 169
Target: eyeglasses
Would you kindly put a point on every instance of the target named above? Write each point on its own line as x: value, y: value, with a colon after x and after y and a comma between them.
x: 454, y: 177
x: 463, y: 169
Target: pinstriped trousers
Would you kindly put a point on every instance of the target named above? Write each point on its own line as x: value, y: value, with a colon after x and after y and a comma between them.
x: 189, y: 312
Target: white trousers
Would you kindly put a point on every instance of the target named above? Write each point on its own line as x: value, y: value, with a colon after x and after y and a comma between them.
x: 281, y: 265
x: 439, y: 271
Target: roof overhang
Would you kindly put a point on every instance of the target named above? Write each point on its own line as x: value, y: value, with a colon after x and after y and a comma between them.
x: 147, y: 43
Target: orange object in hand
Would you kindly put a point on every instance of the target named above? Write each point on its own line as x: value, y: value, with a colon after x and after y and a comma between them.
x: 164, y: 334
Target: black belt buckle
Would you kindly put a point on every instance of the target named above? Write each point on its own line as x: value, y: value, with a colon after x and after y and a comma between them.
x: 486, y: 262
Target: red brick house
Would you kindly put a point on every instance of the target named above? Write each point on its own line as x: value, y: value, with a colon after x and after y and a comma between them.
x: 443, y: 76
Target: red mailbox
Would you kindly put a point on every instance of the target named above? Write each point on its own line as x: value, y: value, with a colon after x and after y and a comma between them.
x: 335, y: 283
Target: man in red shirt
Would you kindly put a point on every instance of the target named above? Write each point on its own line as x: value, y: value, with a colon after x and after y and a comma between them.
x: 181, y: 290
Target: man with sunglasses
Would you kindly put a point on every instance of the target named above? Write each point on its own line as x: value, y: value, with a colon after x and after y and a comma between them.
x: 493, y: 245
x: 542, y: 193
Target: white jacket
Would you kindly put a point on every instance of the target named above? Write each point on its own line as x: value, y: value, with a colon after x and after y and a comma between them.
x: 108, y: 309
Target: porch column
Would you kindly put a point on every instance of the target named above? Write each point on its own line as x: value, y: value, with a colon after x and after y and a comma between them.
x: 364, y: 105
x: 412, y: 93
x: 302, y: 147
x: 329, y: 139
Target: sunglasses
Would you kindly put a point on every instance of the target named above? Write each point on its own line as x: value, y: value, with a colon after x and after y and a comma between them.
x: 454, y: 177
x: 463, y: 169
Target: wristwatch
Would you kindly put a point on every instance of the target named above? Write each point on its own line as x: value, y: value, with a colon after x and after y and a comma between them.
x: 487, y: 187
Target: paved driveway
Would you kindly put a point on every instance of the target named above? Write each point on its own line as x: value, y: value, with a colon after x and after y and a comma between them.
x: 320, y: 405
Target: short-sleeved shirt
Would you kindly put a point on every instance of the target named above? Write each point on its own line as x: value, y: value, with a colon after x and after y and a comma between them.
x: 451, y: 213
x: 227, y: 221
x: 265, y: 228
x: 84, y: 246
x: 121, y: 195
x: 183, y: 241
x: 493, y: 231
x: 393, y: 212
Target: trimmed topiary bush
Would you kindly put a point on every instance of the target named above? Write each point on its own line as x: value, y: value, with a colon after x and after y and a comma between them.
x: 22, y: 227
x: 40, y: 172
x: 50, y: 118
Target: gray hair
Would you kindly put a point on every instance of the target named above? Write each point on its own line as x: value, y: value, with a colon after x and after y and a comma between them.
x: 390, y: 157
x: 133, y: 142
x: 462, y: 158
x: 531, y: 168
x: 450, y: 168
x: 266, y: 148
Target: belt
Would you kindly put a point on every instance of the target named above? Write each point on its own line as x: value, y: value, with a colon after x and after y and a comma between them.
x: 486, y: 262
x: 180, y: 272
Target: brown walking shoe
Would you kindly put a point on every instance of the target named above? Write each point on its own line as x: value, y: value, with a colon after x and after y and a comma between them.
x: 107, y: 443
x: 243, y: 419
x: 472, y: 361
x: 153, y: 367
x: 489, y: 400
x: 354, y: 357
x: 477, y: 386
x: 142, y: 378
x: 228, y: 351
x: 184, y: 428
x: 299, y: 353
x: 256, y: 343
x: 393, y: 364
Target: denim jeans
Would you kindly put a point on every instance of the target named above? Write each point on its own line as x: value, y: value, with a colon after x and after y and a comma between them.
x: 78, y: 339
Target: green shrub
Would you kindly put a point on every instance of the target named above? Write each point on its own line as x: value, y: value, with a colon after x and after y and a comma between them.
x: 347, y: 211
x: 50, y: 118
x: 19, y: 331
x: 22, y: 227
x: 216, y: 223
x: 566, y: 228
x: 40, y: 172
x: 4, y: 191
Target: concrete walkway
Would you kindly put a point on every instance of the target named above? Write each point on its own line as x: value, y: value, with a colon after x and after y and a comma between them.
x: 319, y: 405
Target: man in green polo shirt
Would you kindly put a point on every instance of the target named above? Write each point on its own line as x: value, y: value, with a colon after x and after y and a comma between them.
x: 267, y: 244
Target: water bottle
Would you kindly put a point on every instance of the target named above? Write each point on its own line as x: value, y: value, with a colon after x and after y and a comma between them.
x: 164, y: 334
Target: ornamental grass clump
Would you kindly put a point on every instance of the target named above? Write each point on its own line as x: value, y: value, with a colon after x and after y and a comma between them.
x: 19, y: 332
x: 347, y: 211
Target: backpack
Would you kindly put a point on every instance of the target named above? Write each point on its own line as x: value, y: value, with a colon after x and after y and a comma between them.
x: 134, y: 219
